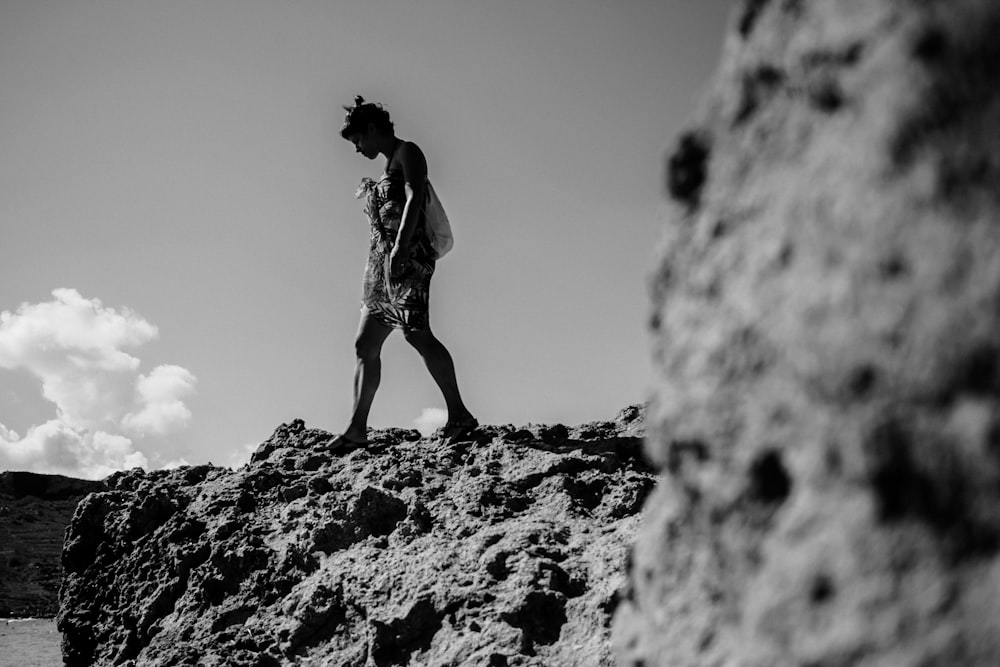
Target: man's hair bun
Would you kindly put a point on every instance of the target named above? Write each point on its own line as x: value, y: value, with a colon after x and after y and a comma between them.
x: 362, y: 114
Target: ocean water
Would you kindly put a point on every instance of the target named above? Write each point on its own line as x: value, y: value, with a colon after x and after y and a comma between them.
x: 29, y: 642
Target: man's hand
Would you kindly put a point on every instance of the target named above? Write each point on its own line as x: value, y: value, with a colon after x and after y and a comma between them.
x: 398, y: 260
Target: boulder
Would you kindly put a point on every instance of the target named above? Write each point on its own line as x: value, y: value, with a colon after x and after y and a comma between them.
x: 826, y: 324
x: 503, y: 548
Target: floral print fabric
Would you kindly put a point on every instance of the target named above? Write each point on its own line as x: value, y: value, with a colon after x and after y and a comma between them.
x: 401, y: 302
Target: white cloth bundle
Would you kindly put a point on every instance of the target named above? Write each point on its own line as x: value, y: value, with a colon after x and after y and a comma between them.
x: 438, y: 226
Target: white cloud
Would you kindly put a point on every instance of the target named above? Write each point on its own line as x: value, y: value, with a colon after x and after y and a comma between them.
x: 76, y: 348
x: 52, y: 442
x: 73, y: 331
x: 160, y: 394
x: 55, y: 447
x: 177, y: 463
x: 6, y: 435
x: 242, y: 455
x: 430, y: 420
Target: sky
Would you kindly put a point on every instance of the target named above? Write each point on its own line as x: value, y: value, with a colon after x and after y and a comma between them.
x: 180, y: 248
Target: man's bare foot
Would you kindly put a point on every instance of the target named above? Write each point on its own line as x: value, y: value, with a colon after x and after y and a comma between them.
x: 459, y: 427
x: 347, y: 440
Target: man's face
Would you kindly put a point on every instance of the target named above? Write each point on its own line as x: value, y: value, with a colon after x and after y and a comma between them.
x: 364, y: 143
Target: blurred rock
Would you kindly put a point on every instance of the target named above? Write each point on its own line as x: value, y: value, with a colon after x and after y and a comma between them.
x: 490, y: 551
x: 826, y: 315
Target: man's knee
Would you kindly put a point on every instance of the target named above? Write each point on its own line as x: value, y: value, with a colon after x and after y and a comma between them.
x: 367, y: 349
x: 417, y: 338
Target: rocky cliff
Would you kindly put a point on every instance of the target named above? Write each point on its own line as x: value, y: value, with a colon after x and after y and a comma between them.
x: 34, y: 512
x: 827, y: 330
x: 506, y: 548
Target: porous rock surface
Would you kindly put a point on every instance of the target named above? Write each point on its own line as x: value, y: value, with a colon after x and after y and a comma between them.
x: 826, y: 335
x: 505, y: 548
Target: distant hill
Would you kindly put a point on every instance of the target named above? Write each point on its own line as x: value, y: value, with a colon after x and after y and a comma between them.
x: 34, y: 512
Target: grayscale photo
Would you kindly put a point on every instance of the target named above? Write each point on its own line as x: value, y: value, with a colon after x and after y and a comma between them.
x: 499, y: 333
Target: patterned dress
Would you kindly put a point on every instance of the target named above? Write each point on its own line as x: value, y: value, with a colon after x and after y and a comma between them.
x: 402, y: 301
